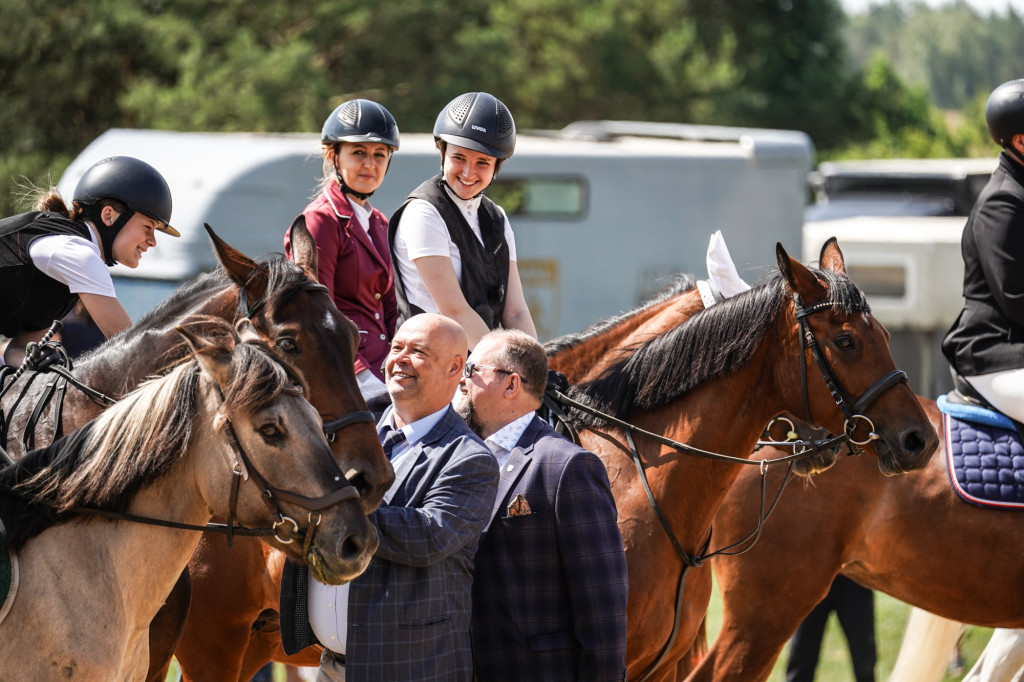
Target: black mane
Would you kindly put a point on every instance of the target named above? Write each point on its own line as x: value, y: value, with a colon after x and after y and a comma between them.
x: 711, y: 344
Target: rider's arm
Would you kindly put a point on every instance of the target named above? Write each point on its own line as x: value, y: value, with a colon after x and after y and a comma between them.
x: 443, y: 286
x: 107, y: 312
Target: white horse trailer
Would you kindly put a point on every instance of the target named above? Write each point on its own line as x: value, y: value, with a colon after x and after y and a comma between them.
x: 604, y: 212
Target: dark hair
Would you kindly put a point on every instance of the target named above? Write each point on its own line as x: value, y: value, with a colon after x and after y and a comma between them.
x: 523, y: 354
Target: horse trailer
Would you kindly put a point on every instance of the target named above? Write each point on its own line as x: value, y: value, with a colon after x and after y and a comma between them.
x: 604, y: 212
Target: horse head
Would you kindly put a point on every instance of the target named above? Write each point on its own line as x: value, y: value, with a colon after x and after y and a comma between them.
x: 843, y: 359
x: 279, y: 468
x: 307, y: 330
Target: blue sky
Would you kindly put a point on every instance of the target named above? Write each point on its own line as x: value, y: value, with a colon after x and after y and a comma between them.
x: 983, y: 6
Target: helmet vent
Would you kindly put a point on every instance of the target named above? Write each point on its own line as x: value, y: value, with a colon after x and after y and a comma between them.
x: 460, y: 108
x: 505, y: 124
x: 349, y: 114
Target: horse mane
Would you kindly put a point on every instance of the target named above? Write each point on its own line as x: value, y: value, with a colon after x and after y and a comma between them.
x: 711, y: 344
x: 681, y: 282
x: 284, y: 280
x: 130, y: 445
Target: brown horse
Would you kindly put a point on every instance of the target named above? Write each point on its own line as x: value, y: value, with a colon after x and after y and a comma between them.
x: 229, y: 433
x: 293, y: 313
x: 888, y: 534
x: 713, y: 383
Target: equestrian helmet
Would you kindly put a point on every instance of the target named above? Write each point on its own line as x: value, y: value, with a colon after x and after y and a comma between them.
x: 134, y: 183
x: 1004, y: 112
x: 361, y: 120
x: 477, y: 121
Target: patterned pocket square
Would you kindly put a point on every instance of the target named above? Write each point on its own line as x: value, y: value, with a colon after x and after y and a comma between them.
x: 518, y: 507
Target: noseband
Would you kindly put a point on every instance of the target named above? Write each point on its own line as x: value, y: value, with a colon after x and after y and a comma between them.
x: 852, y: 409
x: 331, y: 428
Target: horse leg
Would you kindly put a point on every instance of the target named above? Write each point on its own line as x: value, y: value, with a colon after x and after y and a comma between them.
x: 927, y: 643
x: 166, y: 629
x: 228, y: 596
x: 265, y: 645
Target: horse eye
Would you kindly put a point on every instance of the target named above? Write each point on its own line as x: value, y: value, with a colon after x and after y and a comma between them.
x: 844, y: 342
x: 271, y: 432
x: 287, y: 345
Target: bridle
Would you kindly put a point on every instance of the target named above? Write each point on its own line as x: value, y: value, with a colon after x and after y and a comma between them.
x: 852, y: 410
x: 331, y: 428
x: 285, y: 529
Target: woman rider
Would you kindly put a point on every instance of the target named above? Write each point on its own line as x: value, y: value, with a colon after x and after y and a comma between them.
x: 453, y: 247
x: 53, y: 257
x: 986, y: 343
x: 357, y: 142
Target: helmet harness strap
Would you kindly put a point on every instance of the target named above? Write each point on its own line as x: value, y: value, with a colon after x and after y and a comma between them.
x: 94, y: 213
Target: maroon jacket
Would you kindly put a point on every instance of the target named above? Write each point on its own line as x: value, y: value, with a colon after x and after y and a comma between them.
x: 356, y: 269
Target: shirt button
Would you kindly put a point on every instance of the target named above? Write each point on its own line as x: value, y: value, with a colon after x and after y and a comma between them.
x: 377, y: 315
x: 377, y: 296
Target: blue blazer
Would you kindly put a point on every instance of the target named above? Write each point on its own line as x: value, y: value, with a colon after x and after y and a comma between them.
x: 550, y: 584
x: 409, y: 613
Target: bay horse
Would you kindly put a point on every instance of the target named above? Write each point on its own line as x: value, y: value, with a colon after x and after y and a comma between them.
x: 228, y: 433
x: 294, y: 314
x: 911, y: 537
x: 713, y: 383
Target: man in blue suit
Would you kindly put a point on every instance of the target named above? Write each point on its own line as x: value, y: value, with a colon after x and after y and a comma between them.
x: 550, y: 585
x: 407, y: 618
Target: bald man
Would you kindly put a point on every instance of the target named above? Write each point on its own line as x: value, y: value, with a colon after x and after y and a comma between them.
x: 408, y: 616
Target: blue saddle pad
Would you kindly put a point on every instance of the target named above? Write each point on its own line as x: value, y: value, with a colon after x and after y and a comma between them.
x: 984, y: 455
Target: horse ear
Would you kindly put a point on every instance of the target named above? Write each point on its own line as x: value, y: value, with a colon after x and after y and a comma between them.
x: 800, y: 278
x: 214, y: 358
x: 831, y: 257
x: 303, y: 248
x: 247, y: 332
x: 243, y: 271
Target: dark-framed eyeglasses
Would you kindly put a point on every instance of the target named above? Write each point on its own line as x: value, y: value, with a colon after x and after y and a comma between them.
x: 471, y: 367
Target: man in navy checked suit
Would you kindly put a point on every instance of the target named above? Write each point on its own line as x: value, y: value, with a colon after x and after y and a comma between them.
x: 550, y: 585
x: 407, y: 618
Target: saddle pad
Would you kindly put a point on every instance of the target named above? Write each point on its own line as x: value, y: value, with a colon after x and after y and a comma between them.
x: 986, y: 463
x: 974, y: 413
x: 8, y: 575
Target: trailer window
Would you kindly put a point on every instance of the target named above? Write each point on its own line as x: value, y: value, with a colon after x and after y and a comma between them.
x: 540, y: 197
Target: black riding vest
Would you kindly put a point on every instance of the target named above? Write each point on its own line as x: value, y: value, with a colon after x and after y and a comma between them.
x: 30, y: 300
x: 484, y: 266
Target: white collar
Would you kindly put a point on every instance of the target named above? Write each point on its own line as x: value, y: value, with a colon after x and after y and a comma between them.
x: 508, y: 435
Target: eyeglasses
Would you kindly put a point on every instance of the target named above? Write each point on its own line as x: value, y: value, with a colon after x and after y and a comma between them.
x: 473, y: 366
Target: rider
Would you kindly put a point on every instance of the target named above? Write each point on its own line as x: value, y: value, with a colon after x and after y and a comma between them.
x: 354, y: 263
x: 453, y: 247
x: 53, y: 257
x: 986, y: 343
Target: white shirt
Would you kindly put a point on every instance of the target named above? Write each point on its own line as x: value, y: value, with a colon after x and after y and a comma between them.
x: 422, y: 232
x: 328, y: 604
x: 75, y: 261
x: 504, y: 440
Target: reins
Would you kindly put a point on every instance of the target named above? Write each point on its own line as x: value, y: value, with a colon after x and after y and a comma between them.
x: 852, y: 411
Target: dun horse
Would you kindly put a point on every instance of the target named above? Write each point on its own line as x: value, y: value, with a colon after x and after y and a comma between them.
x: 229, y: 433
x: 713, y: 383
x: 888, y: 534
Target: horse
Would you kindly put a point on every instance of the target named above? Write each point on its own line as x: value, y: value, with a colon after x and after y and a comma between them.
x: 96, y: 519
x: 715, y: 381
x: 888, y: 534
x: 293, y: 313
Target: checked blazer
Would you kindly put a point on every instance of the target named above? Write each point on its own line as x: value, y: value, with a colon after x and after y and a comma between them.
x: 550, y: 585
x: 409, y: 613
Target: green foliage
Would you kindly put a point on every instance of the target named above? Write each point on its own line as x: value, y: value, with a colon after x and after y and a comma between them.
x: 70, y: 71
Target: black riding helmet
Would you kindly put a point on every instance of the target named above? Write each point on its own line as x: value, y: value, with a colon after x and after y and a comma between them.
x: 477, y: 121
x: 132, y: 182
x: 360, y: 120
x: 1004, y: 112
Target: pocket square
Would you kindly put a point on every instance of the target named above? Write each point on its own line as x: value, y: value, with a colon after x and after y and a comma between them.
x: 518, y: 507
